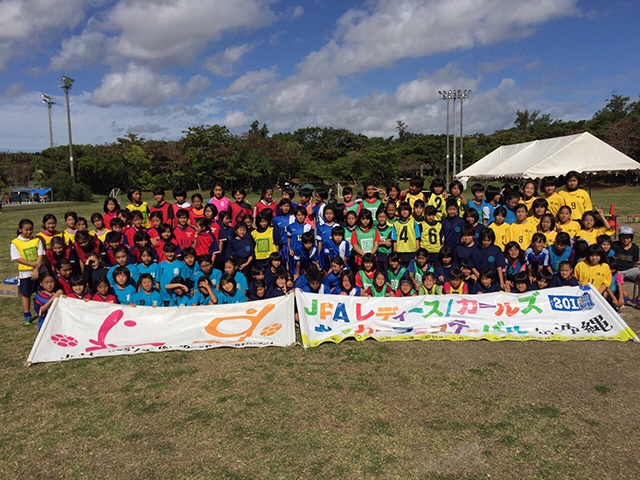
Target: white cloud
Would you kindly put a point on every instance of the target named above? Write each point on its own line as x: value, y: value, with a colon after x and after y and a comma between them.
x: 174, y: 33
x: 251, y: 81
x: 13, y: 90
x: 197, y: 84
x: 296, y: 12
x: 235, y: 119
x: 222, y: 64
x: 396, y: 29
x: 78, y: 51
x: 137, y: 86
x: 27, y: 23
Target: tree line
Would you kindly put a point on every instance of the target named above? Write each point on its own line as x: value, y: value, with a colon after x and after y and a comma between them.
x: 314, y: 155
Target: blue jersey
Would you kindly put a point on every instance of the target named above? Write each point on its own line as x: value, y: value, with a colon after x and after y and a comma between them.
x: 443, y: 271
x: 331, y: 250
x: 226, y: 299
x: 240, y: 248
x: 241, y: 281
x: 511, y: 216
x: 488, y: 213
x: 323, y: 233
x: 471, y: 204
x: 153, y: 299
x: 555, y: 258
x: 303, y: 284
x: 214, y: 277
x: 479, y: 288
x: 180, y: 300
x: 295, y: 231
x: 150, y: 269
x: 490, y: 257
x: 194, y: 274
x: 135, y: 275
x: 167, y: 272
x: 535, y: 260
x: 354, y: 292
x: 281, y: 222
x: 451, y: 228
x: 200, y: 298
x: 124, y: 295
x: 332, y: 280
x: 461, y: 254
x: 305, y: 257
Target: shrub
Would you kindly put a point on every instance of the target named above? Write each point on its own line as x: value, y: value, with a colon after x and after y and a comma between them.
x: 65, y: 189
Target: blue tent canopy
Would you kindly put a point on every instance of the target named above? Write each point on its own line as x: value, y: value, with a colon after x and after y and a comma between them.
x: 39, y: 191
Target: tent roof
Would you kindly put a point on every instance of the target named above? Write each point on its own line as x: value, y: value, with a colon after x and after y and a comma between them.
x: 552, y: 157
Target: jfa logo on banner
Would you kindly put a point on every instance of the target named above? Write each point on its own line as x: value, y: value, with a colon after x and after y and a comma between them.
x: 566, y: 303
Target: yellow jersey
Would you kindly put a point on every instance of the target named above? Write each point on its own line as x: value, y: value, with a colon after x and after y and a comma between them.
x: 528, y: 203
x: 572, y: 228
x: 597, y: 275
x: 411, y: 199
x: 407, y: 235
x: 591, y: 236
x: 579, y: 201
x: 550, y: 236
x: 68, y: 237
x: 501, y: 234
x: 264, y: 243
x: 430, y: 236
x: 46, y: 238
x: 142, y: 208
x: 555, y: 201
x: 28, y: 250
x: 521, y: 233
x: 100, y: 236
x: 440, y: 204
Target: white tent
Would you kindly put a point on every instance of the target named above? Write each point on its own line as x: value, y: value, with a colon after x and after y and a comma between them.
x: 583, y: 153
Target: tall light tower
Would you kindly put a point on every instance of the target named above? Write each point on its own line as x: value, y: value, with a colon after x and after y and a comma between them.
x: 446, y: 95
x: 66, y: 86
x: 49, y: 101
x: 462, y: 95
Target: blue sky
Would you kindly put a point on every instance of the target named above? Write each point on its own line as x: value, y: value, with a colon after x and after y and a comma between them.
x: 158, y: 67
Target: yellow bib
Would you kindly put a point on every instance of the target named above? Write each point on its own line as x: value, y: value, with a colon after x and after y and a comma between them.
x: 28, y: 250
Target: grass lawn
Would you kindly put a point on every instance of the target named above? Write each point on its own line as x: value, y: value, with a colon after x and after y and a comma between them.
x: 433, y: 410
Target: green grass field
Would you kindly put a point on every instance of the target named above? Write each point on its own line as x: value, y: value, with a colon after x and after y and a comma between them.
x: 428, y: 410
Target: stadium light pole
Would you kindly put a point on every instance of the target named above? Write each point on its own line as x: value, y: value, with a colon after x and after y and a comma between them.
x: 462, y: 95
x: 455, y: 140
x: 446, y: 95
x: 49, y: 101
x: 66, y: 86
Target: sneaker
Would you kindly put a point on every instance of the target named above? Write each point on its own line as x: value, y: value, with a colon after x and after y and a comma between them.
x: 27, y: 321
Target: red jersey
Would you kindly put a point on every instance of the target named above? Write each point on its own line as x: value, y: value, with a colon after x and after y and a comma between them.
x: 63, y: 285
x: 261, y: 205
x: 184, y: 206
x: 184, y: 236
x: 153, y: 233
x: 166, y: 209
x: 82, y: 255
x: 52, y: 259
x: 239, y: 210
x: 110, y: 298
x: 206, y: 244
x: 107, y: 217
x: 128, y: 234
x: 160, y: 249
x: 195, y: 214
x: 86, y: 296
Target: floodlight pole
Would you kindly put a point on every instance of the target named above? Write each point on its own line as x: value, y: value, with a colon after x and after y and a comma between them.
x: 49, y: 101
x: 455, y: 140
x: 446, y: 95
x: 66, y: 86
x: 462, y: 95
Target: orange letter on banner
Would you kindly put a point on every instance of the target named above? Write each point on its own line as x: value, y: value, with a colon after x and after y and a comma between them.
x: 326, y: 310
x: 252, y: 315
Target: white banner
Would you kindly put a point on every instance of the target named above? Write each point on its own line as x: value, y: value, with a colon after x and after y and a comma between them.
x: 566, y: 313
x: 77, y: 329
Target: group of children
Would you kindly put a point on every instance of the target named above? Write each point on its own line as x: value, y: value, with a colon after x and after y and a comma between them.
x: 389, y: 242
